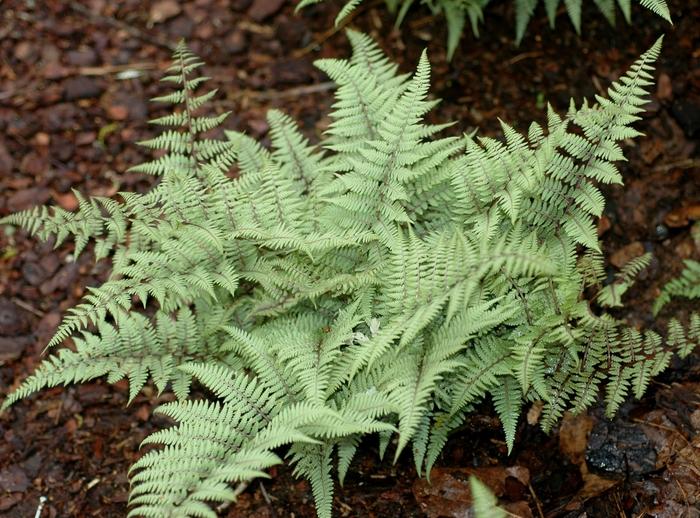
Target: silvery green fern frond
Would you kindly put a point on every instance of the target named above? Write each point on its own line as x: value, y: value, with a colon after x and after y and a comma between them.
x: 382, y: 283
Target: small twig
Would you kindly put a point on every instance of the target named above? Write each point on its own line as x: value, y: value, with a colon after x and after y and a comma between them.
x: 242, y: 486
x: 134, y: 31
x: 40, y: 508
x: 268, y: 500
x: 114, y: 69
x: 278, y: 94
x: 688, y: 163
x: 28, y: 307
x: 537, y: 500
x: 521, y: 57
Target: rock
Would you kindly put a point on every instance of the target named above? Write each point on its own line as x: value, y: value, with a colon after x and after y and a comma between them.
x: 81, y: 87
x: 619, y: 448
x: 625, y: 254
x: 27, y: 198
x: 13, y: 479
x: 82, y: 58
x: 262, y: 9
x: 164, y: 10
x: 12, y: 348
x: 13, y: 320
x: 687, y: 114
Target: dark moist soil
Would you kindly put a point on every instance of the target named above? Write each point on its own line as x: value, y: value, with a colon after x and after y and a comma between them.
x: 74, y: 82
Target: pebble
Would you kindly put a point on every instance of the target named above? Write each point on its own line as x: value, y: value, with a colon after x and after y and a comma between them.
x: 81, y: 88
x: 82, y: 58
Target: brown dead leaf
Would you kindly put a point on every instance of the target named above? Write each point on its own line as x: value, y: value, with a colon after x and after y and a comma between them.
x: 625, y: 254
x: 682, y: 216
x: 593, y: 485
x: 573, y: 436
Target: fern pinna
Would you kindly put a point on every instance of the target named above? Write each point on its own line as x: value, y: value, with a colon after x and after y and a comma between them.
x: 381, y: 284
x: 458, y: 12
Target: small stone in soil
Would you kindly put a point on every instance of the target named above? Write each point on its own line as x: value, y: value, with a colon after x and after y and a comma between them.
x: 82, y: 58
x: 81, y: 87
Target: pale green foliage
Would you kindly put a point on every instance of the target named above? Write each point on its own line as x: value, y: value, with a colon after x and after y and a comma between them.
x: 381, y: 286
x: 687, y: 285
x: 485, y: 503
x: 457, y: 12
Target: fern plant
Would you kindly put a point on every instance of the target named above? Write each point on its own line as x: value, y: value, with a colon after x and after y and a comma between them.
x: 457, y: 12
x: 381, y: 284
x: 686, y: 285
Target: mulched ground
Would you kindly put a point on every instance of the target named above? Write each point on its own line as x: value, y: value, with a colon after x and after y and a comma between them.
x: 74, y: 82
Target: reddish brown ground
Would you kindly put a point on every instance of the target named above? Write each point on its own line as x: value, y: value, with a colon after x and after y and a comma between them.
x: 68, y: 122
